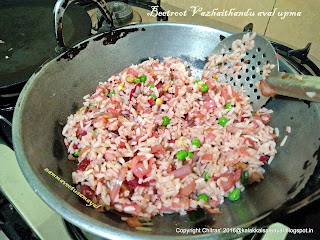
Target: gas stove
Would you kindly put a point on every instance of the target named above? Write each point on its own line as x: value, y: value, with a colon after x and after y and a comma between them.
x: 23, y: 215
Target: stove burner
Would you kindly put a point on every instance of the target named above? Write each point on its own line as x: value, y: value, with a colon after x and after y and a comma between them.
x: 12, y: 226
x: 122, y: 13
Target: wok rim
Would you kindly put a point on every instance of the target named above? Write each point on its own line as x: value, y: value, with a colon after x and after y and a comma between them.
x: 75, y: 216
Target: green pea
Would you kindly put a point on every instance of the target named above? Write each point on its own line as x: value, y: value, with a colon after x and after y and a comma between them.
x: 196, y: 142
x: 244, y: 178
x: 151, y: 86
x: 181, y: 155
x: 166, y: 121
x: 76, y: 154
x: 235, y: 194
x: 204, y: 88
x: 204, y: 197
x: 171, y: 80
x: 190, y: 154
x: 95, y: 131
x: 143, y: 78
x: 228, y: 106
x: 196, y: 81
x: 223, y: 121
x: 206, y: 176
x: 137, y: 80
x: 112, y: 93
x: 153, y: 96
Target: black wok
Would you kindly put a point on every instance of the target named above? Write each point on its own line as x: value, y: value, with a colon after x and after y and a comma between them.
x: 56, y: 90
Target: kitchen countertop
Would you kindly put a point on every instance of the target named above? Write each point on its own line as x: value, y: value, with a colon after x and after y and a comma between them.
x: 36, y: 213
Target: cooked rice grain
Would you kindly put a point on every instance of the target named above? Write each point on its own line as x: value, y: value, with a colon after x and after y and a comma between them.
x: 130, y: 160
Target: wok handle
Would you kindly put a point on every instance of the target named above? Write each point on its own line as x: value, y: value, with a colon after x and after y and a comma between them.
x: 58, y: 11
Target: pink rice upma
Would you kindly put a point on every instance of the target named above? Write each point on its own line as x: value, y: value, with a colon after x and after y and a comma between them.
x: 155, y: 140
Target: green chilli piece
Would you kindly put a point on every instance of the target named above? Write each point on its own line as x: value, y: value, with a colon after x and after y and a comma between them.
x: 76, y: 154
x: 171, y: 80
x: 204, y: 88
x: 95, y: 131
x: 196, y: 81
x: 181, y: 155
x: 206, y: 176
x: 153, y: 96
x: 203, y: 197
x: 143, y: 78
x: 112, y: 93
x: 228, y: 106
x: 196, y: 142
x: 235, y: 194
x: 151, y: 86
x: 223, y: 121
x: 137, y: 80
x: 166, y: 122
x: 244, y: 178
x: 91, y: 104
x: 190, y: 154
x: 219, y: 64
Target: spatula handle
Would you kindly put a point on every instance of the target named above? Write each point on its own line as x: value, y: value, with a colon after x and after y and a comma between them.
x: 297, y: 86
